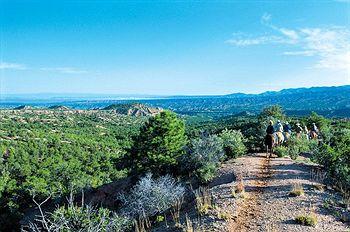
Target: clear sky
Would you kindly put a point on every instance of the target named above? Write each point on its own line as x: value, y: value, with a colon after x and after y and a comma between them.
x: 172, y: 47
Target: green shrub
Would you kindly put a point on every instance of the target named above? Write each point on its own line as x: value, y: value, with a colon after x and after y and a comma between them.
x: 272, y: 112
x: 233, y: 143
x: 80, y: 218
x: 293, y: 152
x: 203, y: 157
x: 336, y: 161
x: 207, y: 172
x: 281, y: 151
x: 300, y: 145
x: 307, y: 220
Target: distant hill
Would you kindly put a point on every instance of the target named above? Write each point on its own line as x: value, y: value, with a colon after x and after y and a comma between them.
x: 23, y: 107
x: 133, y: 109
x: 244, y: 114
x: 58, y: 107
x: 329, y: 101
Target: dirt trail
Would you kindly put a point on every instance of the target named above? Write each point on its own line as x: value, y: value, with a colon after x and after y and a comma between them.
x: 267, y: 205
x: 249, y: 209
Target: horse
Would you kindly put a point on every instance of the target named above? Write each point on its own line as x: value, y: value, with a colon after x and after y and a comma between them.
x: 279, y: 137
x: 270, y: 142
x: 299, y: 135
x: 286, y: 136
x: 313, y: 135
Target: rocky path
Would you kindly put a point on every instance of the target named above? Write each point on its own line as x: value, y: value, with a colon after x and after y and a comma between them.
x: 266, y: 204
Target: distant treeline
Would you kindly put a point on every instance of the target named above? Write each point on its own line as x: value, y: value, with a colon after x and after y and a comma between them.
x: 326, y: 101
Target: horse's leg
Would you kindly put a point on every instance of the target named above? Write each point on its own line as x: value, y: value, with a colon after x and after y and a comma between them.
x: 271, y: 151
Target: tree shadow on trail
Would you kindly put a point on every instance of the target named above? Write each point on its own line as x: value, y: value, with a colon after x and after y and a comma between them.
x: 222, y: 179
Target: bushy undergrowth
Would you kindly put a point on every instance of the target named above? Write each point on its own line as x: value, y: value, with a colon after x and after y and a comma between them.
x: 281, y: 151
x: 335, y: 157
x: 233, y: 143
x: 80, y: 218
x: 151, y: 196
x: 204, y: 156
x: 52, y: 153
x: 295, y: 146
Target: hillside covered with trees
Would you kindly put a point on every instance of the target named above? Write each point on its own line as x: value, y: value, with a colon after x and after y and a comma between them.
x: 155, y: 165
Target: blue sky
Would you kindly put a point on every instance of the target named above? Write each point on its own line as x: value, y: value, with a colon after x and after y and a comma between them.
x: 172, y: 47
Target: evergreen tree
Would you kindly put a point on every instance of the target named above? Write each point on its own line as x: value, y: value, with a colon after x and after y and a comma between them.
x: 160, y: 143
x: 272, y: 112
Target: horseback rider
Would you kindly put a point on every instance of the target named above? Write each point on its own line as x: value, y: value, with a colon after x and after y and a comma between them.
x: 287, y: 128
x: 307, y: 132
x: 314, y: 131
x: 270, y: 129
x: 270, y: 137
x: 298, y: 130
x: 314, y: 128
x: 279, y: 126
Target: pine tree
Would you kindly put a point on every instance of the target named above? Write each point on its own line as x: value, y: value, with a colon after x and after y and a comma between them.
x: 160, y: 143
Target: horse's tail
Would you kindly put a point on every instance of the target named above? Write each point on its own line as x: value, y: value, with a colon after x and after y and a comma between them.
x: 280, y: 137
x: 269, y: 141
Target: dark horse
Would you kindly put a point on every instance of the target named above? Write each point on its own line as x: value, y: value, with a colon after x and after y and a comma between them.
x: 269, y: 143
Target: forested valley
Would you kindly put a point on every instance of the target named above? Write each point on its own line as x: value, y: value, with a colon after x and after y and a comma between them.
x: 59, y: 166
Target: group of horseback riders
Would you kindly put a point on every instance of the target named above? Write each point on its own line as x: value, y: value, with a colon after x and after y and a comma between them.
x: 310, y: 134
x: 280, y: 132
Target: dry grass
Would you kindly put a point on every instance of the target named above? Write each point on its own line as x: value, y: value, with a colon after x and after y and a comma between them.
x: 203, y: 200
x: 188, y: 226
x: 318, y: 176
x: 297, y: 190
x: 345, y: 195
x: 224, y: 214
x: 307, y: 219
x: 319, y: 187
x: 142, y: 224
x: 175, y: 212
x: 238, y: 190
x: 192, y: 226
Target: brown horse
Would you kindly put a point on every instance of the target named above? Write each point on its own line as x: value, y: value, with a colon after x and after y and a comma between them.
x: 313, y: 135
x: 270, y: 142
x: 286, y: 136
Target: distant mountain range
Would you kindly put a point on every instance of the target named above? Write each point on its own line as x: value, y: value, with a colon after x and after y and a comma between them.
x: 329, y: 101
x: 133, y: 109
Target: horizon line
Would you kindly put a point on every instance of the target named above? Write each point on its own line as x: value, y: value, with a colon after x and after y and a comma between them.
x: 165, y: 95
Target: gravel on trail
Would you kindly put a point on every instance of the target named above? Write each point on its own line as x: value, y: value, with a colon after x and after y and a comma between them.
x: 267, y: 204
